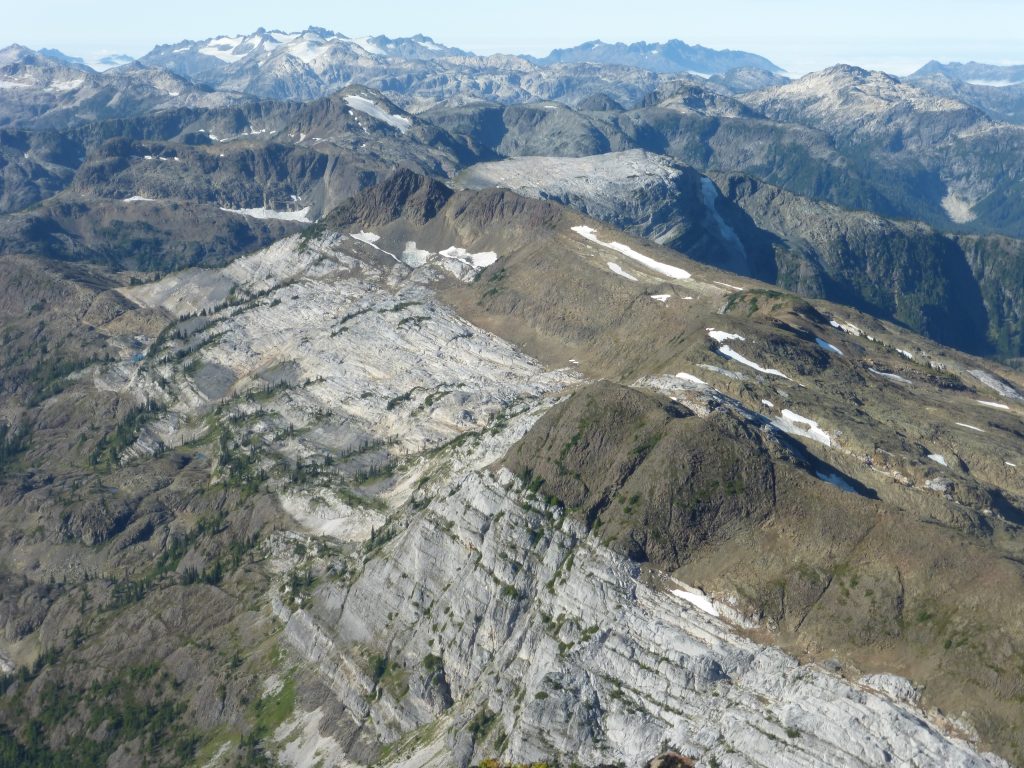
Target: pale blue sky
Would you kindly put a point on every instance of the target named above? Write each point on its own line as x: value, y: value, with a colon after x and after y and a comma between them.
x: 799, y: 35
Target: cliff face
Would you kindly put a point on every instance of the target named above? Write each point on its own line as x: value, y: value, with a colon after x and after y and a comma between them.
x: 509, y: 632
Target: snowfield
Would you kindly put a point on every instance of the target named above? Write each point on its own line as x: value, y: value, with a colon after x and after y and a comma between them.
x: 475, y: 260
x: 374, y: 110
x: 267, y: 213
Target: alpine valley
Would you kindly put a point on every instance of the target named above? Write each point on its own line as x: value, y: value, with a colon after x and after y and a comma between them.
x: 369, y: 402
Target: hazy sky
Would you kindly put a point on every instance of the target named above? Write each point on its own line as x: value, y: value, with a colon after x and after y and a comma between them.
x: 799, y: 35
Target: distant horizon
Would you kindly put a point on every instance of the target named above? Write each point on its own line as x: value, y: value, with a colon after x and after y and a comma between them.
x: 798, y: 36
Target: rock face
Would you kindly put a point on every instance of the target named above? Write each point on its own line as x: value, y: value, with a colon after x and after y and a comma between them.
x: 993, y: 88
x: 931, y: 284
x: 1001, y: 99
x: 550, y: 644
x: 372, y: 363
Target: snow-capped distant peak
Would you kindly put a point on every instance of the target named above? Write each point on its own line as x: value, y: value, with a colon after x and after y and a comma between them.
x: 309, y: 46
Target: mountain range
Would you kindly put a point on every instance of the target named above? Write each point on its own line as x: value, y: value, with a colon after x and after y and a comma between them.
x: 365, y: 401
x: 674, y: 56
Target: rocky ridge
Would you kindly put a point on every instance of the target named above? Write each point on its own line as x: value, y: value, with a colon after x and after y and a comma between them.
x: 521, y: 714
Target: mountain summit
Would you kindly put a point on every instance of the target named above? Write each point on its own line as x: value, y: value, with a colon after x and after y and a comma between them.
x: 671, y: 57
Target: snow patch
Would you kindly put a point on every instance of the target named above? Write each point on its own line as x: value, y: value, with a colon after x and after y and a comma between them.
x: 413, y: 256
x: 690, y: 378
x: 768, y: 403
x: 662, y: 297
x: 374, y: 110
x: 968, y: 426
x: 267, y: 213
x: 835, y: 479
x: 828, y: 347
x: 657, y: 266
x: 721, y: 336
x: 371, y: 240
x: 989, y: 404
x: 995, y: 384
x: 849, y: 328
x: 366, y: 237
x: 729, y: 352
x: 727, y: 285
x: 306, y: 51
x: 139, y: 199
x: 475, y: 260
x: 697, y: 600
x: 794, y: 424
x: 368, y: 46
x: 734, y: 375
x: 223, y: 48
x: 621, y: 272
x: 890, y: 376
x: 938, y: 459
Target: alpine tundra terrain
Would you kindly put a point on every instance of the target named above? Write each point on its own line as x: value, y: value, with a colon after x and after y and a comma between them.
x: 369, y: 402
